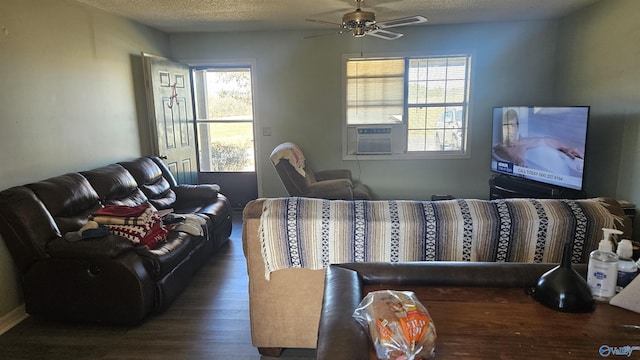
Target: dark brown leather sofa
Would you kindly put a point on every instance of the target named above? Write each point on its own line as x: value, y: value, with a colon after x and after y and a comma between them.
x: 107, y: 279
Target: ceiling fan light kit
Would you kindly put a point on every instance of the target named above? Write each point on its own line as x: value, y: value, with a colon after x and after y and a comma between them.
x: 362, y: 23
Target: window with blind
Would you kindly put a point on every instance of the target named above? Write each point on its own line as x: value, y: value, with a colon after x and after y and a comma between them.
x: 375, y: 91
x: 420, y: 103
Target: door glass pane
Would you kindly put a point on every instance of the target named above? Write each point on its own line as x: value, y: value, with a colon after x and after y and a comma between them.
x: 229, y: 94
x: 224, y: 113
x: 230, y: 147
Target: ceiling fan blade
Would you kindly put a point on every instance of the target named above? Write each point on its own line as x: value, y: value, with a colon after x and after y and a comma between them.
x: 410, y: 20
x: 384, y: 34
x: 324, y: 22
x: 325, y: 34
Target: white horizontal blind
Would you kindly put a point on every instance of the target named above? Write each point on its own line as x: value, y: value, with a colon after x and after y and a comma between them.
x: 375, y: 91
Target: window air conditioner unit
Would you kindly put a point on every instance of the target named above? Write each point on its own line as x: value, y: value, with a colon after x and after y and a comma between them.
x: 373, y: 141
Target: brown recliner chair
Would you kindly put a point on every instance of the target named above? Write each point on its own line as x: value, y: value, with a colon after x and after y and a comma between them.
x: 299, y: 180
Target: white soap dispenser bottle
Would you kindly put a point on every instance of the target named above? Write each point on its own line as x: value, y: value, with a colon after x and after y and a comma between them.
x: 602, y: 273
x: 627, y: 268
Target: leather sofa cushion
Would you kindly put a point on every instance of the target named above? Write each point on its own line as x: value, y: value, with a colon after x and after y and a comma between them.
x: 168, y: 254
x: 108, y: 247
x: 196, y: 194
x: 217, y: 211
x: 115, y: 186
x: 159, y: 193
x: 69, y: 198
x: 151, y: 181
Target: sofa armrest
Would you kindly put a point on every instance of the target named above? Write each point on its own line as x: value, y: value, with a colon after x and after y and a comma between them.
x: 114, y: 291
x: 333, y: 174
x: 343, y: 291
x: 187, y: 194
x: 331, y: 189
x: 107, y: 247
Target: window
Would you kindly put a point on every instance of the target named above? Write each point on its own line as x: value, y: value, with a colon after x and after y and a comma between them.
x: 224, y: 116
x: 417, y: 104
x: 375, y: 91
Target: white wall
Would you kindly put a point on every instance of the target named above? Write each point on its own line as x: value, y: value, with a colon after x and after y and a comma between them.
x: 299, y: 95
x: 599, y: 64
x: 70, y: 97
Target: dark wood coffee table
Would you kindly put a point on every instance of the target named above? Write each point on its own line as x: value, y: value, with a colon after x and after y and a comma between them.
x: 481, y: 311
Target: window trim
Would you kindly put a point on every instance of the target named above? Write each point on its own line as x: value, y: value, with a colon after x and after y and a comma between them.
x: 466, y: 154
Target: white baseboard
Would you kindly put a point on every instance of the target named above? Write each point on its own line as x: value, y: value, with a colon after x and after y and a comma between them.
x: 12, y: 318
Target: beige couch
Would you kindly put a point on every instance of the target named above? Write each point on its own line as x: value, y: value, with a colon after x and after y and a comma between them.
x: 285, y: 301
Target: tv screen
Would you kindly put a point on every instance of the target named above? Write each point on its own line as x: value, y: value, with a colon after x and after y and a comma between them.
x: 544, y: 144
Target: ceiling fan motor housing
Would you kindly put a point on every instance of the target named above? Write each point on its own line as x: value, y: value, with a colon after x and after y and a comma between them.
x: 359, y: 21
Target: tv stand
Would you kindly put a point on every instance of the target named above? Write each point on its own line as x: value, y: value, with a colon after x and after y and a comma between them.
x: 505, y: 186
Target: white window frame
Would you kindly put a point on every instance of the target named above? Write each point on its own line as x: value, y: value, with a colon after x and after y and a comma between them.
x: 399, y: 131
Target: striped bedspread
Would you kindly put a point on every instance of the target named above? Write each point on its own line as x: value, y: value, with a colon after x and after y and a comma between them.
x: 313, y: 233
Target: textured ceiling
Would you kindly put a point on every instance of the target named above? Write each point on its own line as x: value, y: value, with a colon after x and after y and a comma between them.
x: 174, y: 16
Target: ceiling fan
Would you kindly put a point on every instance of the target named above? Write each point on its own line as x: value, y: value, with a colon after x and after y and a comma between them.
x: 362, y: 23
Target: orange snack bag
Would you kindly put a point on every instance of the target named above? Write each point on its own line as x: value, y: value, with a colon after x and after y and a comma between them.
x: 399, y: 325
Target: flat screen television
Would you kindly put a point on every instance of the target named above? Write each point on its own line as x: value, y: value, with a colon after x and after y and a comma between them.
x: 544, y: 144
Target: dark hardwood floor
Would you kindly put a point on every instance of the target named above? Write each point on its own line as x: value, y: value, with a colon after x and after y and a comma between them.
x: 209, y: 320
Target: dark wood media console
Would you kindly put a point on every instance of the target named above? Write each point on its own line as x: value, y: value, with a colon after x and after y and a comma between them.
x: 505, y: 186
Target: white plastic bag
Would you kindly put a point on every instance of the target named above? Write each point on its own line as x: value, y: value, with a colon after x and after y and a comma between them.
x: 400, y: 327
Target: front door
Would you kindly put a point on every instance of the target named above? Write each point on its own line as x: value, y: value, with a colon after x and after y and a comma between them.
x: 225, y: 120
x: 170, y: 107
